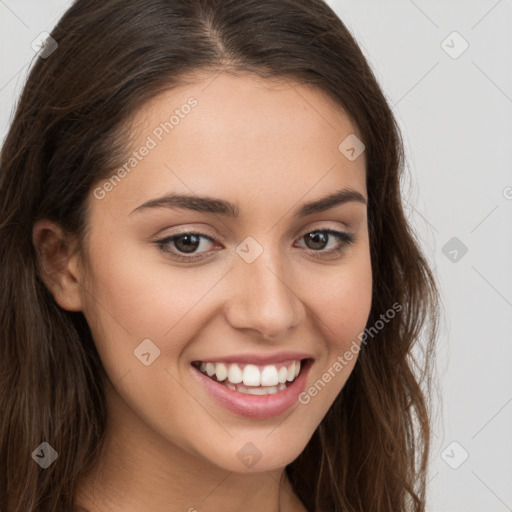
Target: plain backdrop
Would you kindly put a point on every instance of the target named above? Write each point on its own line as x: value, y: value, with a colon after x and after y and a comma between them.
x: 445, y: 67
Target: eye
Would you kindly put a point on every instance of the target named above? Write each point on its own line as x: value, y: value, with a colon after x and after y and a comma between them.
x: 319, y: 240
x: 190, y: 246
x: 184, y: 243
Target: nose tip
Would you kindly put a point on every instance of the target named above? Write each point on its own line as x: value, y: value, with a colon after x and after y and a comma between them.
x: 263, y: 301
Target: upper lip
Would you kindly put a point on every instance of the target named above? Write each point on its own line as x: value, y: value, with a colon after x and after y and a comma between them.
x: 259, y: 359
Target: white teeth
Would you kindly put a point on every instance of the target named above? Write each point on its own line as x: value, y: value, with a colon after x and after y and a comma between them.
x: 221, y: 371
x: 283, y: 373
x: 252, y: 375
x: 235, y: 374
x: 291, y: 372
x: 210, y: 369
x: 257, y: 391
x: 270, y: 390
x: 269, y: 376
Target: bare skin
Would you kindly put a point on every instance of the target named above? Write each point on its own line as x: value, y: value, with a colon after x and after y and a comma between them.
x: 270, y: 148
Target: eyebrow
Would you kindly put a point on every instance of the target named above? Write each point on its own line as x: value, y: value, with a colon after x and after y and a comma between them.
x: 225, y: 208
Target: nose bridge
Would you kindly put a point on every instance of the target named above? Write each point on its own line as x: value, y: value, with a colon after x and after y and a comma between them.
x: 263, y: 298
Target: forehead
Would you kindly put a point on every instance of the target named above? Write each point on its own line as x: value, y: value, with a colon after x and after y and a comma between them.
x: 238, y: 135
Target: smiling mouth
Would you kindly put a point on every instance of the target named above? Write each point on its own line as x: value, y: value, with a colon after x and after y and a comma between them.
x: 252, y: 379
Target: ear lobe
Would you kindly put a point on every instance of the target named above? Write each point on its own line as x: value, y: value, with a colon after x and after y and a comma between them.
x: 56, y: 261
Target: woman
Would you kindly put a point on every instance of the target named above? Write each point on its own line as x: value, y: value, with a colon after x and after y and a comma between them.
x: 210, y: 289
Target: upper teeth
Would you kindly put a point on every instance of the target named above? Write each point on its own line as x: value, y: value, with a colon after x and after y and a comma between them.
x: 252, y: 375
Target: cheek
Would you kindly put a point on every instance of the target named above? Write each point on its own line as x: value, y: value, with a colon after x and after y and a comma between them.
x: 131, y: 299
x: 139, y: 297
x: 342, y: 306
x: 342, y: 301
x: 122, y: 305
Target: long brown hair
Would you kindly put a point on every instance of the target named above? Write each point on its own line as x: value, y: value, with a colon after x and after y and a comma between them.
x: 71, y: 129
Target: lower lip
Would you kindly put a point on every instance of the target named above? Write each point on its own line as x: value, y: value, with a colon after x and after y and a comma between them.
x: 256, y: 406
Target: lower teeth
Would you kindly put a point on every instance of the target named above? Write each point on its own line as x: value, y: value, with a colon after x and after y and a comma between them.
x: 257, y: 390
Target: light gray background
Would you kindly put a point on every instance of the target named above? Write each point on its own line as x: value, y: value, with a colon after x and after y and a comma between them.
x: 456, y: 118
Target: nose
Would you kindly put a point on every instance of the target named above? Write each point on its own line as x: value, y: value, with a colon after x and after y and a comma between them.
x: 263, y: 297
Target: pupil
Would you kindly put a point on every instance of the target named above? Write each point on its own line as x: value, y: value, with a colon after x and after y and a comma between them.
x: 190, y: 245
x: 316, y: 238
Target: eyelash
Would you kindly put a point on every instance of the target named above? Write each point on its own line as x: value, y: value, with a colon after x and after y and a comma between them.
x: 345, y: 238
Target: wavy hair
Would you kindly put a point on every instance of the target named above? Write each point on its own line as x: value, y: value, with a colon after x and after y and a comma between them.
x: 70, y: 129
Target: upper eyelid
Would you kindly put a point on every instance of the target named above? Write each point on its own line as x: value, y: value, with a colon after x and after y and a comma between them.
x: 206, y: 233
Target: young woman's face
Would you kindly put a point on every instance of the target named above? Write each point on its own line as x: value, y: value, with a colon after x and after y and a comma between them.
x: 240, y: 272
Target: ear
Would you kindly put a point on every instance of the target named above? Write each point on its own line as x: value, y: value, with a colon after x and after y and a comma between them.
x: 58, y: 263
